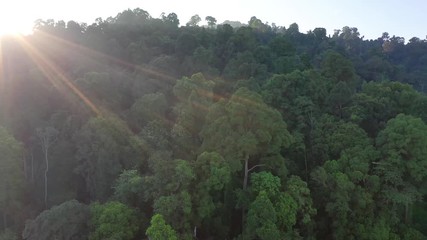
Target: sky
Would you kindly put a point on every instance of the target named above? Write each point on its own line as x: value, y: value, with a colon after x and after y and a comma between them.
x: 405, y: 18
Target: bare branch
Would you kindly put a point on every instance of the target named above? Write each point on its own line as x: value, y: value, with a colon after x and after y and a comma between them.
x: 258, y: 165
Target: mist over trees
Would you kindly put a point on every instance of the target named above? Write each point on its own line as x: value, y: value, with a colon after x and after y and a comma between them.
x: 135, y: 127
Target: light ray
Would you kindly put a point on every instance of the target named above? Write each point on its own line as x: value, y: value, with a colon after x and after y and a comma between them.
x: 94, y: 53
x: 139, y: 68
x: 50, y: 71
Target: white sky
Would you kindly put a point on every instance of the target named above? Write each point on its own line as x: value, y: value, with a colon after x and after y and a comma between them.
x: 406, y: 18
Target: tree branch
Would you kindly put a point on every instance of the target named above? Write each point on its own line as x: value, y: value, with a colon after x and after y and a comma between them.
x: 258, y: 165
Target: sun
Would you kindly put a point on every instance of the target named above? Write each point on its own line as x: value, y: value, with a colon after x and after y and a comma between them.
x: 13, y: 23
x: 13, y: 28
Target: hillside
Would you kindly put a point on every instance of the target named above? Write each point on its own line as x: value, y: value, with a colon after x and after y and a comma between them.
x: 137, y: 127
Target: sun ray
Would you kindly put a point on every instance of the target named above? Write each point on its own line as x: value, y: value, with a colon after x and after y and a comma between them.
x: 96, y: 54
x: 50, y: 71
x: 148, y: 70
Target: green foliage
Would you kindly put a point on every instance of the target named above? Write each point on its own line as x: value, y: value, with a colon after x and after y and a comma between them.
x: 159, y: 230
x: 245, y: 66
x: 243, y: 127
x: 171, y: 120
x: 403, y: 164
x: 212, y: 167
x: 379, y: 102
x: 261, y: 220
x: 286, y: 208
x: 300, y: 96
x: 291, y: 206
x: 176, y: 208
x: 337, y: 68
x: 105, y: 147
x: 112, y: 220
x: 211, y: 21
x: 150, y: 107
x: 300, y: 193
x: 346, y: 190
x: 213, y: 178
x: 128, y: 188
x: 11, y: 175
x: 339, y: 98
x: 265, y: 181
x: 195, y: 95
x: 411, y: 233
x: 194, y: 21
x: 68, y: 221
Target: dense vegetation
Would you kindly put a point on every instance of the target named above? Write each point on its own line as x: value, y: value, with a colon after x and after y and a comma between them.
x: 136, y: 127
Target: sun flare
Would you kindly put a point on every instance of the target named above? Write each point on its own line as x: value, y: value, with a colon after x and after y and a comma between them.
x: 7, y: 29
x: 12, y: 23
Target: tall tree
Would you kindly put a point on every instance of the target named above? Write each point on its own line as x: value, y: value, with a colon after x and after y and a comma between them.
x: 245, y: 129
x: 246, y: 132
x: 195, y: 95
x: 47, y: 137
x: 403, y: 163
x: 194, y: 21
x: 211, y: 21
x: 105, y: 147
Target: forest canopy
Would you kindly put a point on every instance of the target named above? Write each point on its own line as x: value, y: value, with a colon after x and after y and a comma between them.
x: 137, y: 127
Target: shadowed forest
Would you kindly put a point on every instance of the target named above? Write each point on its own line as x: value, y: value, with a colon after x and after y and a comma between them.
x: 137, y: 127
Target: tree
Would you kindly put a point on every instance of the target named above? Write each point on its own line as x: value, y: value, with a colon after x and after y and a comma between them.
x: 195, y: 95
x: 47, y: 136
x: 377, y: 103
x: 211, y: 21
x: 68, y: 221
x: 213, y: 178
x: 262, y: 219
x: 243, y: 128
x: 320, y: 33
x: 284, y: 206
x: 150, y: 107
x: 113, y: 220
x: 257, y: 24
x: 338, y: 68
x: 244, y: 66
x: 292, y: 204
x: 339, y: 98
x: 171, y: 18
x: 105, y: 147
x: 11, y: 176
x: 128, y: 188
x: 293, y: 32
x: 346, y: 192
x: 184, y: 46
x: 194, y: 21
x: 301, y: 194
x: 176, y: 206
x: 159, y: 230
x: 403, y: 163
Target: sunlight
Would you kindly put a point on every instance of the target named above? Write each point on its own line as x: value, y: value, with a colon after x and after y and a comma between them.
x: 50, y: 71
x: 12, y: 21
